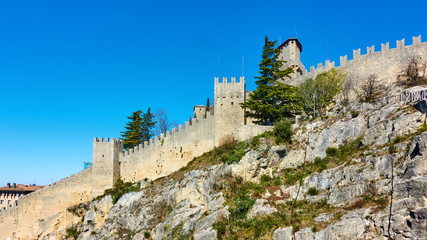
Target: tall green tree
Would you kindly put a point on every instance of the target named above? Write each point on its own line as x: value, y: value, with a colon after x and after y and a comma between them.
x: 133, y: 134
x: 147, y: 126
x: 272, y: 100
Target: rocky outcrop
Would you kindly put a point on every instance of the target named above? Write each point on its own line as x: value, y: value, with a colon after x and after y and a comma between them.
x: 358, y: 190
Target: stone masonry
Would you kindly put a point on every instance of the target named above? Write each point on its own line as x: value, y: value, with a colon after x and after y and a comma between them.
x: 168, y: 152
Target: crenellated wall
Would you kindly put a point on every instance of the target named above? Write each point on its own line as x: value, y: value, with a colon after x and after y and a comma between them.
x: 385, y: 64
x: 170, y: 152
x: 25, y: 221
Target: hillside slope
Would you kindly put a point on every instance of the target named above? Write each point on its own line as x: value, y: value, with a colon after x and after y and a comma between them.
x: 356, y: 160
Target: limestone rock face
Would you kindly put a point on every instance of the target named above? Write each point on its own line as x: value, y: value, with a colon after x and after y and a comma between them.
x: 189, y: 205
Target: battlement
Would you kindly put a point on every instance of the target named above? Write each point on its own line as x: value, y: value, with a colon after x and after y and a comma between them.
x: 109, y: 140
x: 169, y: 136
x: 233, y: 80
x: 359, y: 58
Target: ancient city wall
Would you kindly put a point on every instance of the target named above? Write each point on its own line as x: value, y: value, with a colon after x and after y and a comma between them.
x: 24, y: 221
x: 385, y: 64
x: 168, y: 153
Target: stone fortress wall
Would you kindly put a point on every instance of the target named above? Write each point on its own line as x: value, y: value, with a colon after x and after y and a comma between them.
x: 167, y: 153
x: 385, y: 64
x: 153, y: 159
x: 25, y: 220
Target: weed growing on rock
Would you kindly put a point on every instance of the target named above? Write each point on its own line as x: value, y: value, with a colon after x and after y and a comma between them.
x: 334, y: 157
x: 120, y: 189
x: 72, y: 232
x: 312, y: 191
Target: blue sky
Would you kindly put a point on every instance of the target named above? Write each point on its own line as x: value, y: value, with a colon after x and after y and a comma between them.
x: 73, y: 70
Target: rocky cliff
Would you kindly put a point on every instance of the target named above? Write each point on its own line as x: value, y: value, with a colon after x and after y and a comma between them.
x: 359, y: 173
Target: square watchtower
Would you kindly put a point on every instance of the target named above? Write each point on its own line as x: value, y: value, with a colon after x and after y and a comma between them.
x: 290, y: 52
x: 106, y: 167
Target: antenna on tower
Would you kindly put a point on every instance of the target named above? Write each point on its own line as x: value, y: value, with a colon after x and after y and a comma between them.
x: 327, y: 49
x: 218, y: 67
x: 243, y: 64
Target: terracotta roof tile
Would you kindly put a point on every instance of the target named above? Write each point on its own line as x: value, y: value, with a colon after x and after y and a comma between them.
x: 21, y: 188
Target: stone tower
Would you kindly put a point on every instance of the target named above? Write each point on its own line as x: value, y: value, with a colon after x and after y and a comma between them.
x: 106, y: 167
x: 229, y: 115
x: 291, y: 50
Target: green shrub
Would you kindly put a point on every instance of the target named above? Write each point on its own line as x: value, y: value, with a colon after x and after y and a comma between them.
x: 120, y: 189
x: 177, y: 232
x: 221, y: 228
x: 312, y: 191
x: 234, y: 155
x: 242, y: 204
x: 354, y: 114
x: 283, y: 132
x: 147, y: 235
x: 331, y: 151
x: 265, y: 179
x: 321, y: 163
x: 72, y: 232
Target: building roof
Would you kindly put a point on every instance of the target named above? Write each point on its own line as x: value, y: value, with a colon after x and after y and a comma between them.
x: 200, y: 106
x: 290, y: 39
x: 20, y: 188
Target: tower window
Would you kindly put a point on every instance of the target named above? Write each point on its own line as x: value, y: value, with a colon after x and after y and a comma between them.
x: 231, y: 103
x: 102, y: 155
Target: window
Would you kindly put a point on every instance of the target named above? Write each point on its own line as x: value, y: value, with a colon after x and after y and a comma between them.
x: 8, y: 202
x: 2, y: 201
x: 231, y: 103
x: 16, y: 203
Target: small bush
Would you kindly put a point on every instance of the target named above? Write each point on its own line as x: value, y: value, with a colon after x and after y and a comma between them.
x: 265, y: 179
x: 321, y: 163
x: 354, y: 114
x: 413, y: 73
x: 72, y: 232
x: 147, y: 235
x: 178, y: 232
x: 382, y: 202
x: 369, y: 88
x: 242, y: 204
x: 234, y: 155
x: 331, y: 151
x: 283, y: 132
x: 120, y: 189
x: 312, y: 191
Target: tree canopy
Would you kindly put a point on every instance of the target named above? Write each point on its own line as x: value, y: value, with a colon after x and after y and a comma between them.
x: 272, y: 100
x: 318, y: 93
x: 147, y: 126
x: 133, y: 134
x: 138, y: 129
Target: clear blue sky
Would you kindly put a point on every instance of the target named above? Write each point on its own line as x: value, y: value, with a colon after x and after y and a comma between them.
x: 73, y: 70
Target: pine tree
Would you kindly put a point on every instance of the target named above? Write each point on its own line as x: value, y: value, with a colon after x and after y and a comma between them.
x: 272, y: 100
x: 133, y: 134
x: 147, y: 126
